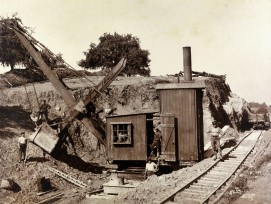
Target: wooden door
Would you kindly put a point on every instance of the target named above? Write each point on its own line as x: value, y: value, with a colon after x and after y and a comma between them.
x: 168, y: 144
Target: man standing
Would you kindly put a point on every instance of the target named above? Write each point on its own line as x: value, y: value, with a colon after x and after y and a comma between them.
x: 44, y: 107
x: 156, y: 144
x: 215, y: 134
x: 22, y: 143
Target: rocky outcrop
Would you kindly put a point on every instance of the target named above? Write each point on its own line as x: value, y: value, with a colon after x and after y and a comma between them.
x: 225, y: 107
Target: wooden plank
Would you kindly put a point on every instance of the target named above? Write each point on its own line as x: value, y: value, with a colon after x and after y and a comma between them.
x: 197, y: 191
x: 220, y: 172
x: 194, y: 186
x: 167, y: 125
x: 94, y: 192
x: 211, y: 183
x: 45, y: 192
x: 51, y: 199
x: 192, y: 196
x: 204, y: 178
x: 167, y: 115
x: 68, y: 178
x: 213, y: 175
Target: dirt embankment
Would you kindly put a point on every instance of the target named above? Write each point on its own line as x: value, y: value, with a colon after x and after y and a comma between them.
x: 85, y: 159
x: 123, y: 96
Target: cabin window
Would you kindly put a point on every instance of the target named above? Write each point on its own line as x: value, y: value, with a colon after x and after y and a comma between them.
x: 121, y: 133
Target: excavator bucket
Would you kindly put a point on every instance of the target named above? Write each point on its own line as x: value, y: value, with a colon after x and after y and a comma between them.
x: 45, y: 137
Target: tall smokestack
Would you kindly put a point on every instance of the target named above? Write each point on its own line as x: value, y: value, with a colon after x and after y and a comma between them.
x: 187, y: 67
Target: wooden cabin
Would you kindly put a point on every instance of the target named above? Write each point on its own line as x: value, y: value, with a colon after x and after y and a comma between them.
x: 128, y: 136
x: 181, y: 118
x: 181, y: 122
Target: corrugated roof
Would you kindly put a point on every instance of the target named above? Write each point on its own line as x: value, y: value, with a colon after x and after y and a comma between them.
x: 183, y: 85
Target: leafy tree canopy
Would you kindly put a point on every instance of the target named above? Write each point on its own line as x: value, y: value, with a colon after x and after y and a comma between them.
x: 111, y: 49
x: 12, y: 52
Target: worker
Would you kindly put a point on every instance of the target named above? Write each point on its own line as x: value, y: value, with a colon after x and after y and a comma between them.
x: 151, y: 168
x: 22, y: 143
x: 35, y: 117
x: 156, y: 144
x: 43, y: 111
x: 215, y: 134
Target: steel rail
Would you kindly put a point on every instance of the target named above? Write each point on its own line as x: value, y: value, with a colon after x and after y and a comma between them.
x: 228, y: 171
x: 229, y: 176
x: 169, y: 198
x: 241, y: 171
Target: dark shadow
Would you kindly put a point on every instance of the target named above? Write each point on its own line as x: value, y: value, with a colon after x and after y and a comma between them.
x: 77, y: 163
x: 13, y: 186
x: 230, y: 156
x: 230, y: 143
x: 219, y: 114
x: 16, y: 188
x: 244, y: 124
x: 44, y: 184
x: 164, y: 170
x: 37, y: 159
x: 14, y: 116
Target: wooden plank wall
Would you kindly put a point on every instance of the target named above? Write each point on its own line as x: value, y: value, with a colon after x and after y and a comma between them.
x: 138, y: 149
x: 182, y: 103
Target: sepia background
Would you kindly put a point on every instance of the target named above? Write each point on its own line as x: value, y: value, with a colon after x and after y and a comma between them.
x: 227, y: 37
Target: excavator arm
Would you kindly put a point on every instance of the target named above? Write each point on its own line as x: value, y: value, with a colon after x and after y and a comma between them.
x: 77, y: 108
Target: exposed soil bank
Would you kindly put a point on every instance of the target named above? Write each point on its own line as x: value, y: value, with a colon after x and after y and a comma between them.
x: 85, y: 159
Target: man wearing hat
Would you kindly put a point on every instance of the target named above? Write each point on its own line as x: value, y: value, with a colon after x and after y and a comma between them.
x: 156, y: 144
x: 22, y: 143
x: 44, y: 107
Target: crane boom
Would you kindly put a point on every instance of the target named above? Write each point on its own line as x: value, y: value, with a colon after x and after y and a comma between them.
x: 97, y: 90
x: 77, y: 108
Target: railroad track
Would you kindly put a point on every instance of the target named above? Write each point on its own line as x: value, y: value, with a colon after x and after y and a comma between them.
x: 201, y: 188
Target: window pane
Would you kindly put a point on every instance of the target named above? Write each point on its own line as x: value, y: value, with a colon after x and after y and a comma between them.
x: 121, y: 133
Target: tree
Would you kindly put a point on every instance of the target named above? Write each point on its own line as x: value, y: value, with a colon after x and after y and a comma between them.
x: 111, y: 49
x: 12, y: 52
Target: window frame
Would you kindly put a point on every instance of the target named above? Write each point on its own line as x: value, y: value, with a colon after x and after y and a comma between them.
x: 115, y: 133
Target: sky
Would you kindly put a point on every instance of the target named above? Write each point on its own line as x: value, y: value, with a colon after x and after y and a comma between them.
x: 231, y: 37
